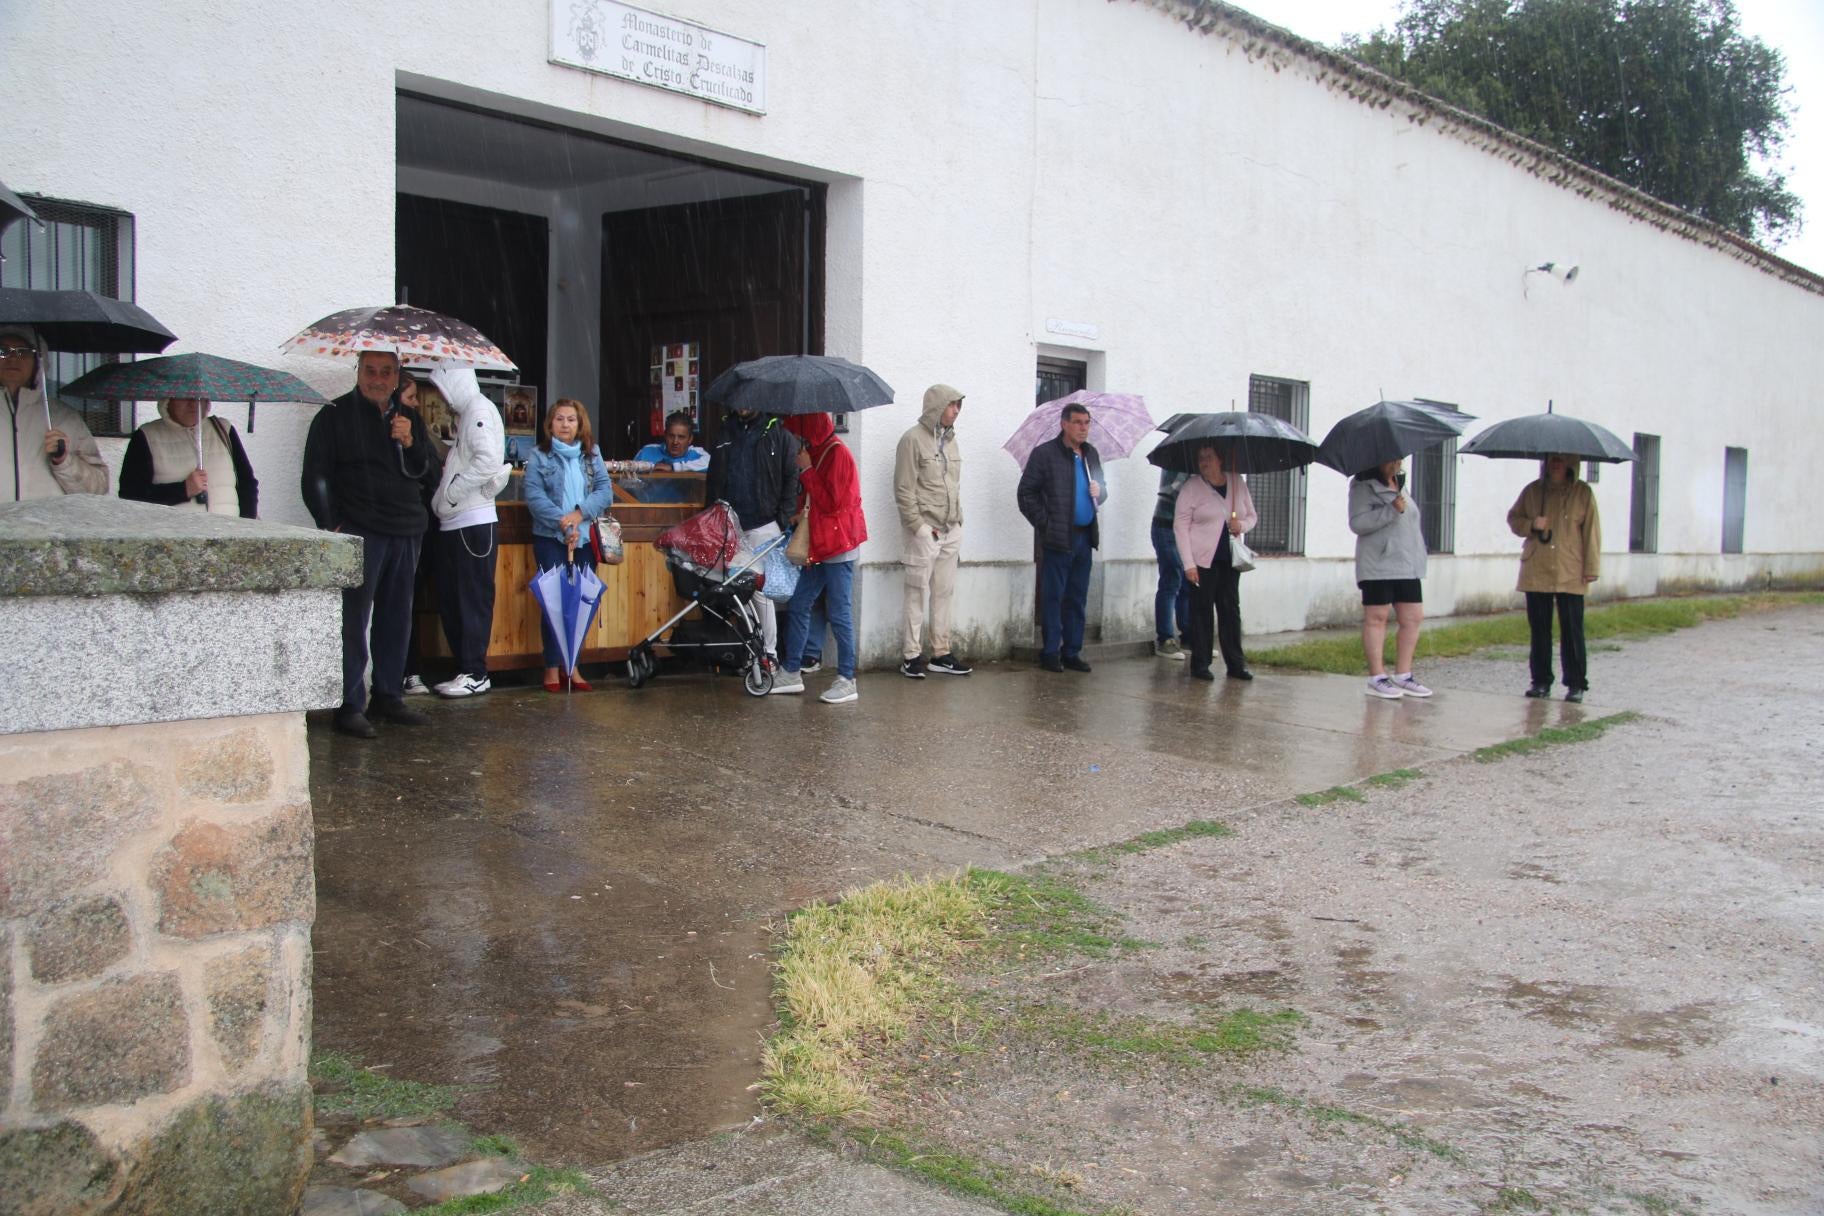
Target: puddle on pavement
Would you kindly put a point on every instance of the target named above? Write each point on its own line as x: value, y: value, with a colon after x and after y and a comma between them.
x: 1593, y: 1007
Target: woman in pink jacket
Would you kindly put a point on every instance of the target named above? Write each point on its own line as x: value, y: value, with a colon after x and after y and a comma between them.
x: 1212, y: 507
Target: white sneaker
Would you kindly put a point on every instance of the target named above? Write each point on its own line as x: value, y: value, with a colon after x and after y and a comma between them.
x: 841, y: 691
x: 1171, y: 648
x: 1385, y: 688
x: 786, y: 682
x: 415, y: 687
x: 1410, y: 687
x: 464, y: 686
x: 811, y: 667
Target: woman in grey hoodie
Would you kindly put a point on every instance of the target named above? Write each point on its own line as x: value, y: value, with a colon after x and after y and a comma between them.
x: 1389, y: 562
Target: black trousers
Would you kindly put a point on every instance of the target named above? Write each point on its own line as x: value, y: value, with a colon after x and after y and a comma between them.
x: 383, y: 599
x: 1216, y: 594
x: 1570, y: 638
x: 465, y: 594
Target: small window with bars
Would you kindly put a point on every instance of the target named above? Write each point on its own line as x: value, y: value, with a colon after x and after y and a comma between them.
x: 77, y: 248
x: 1434, y: 489
x: 1059, y: 378
x: 1279, y: 497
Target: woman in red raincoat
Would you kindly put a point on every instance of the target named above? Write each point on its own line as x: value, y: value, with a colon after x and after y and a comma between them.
x: 829, y: 504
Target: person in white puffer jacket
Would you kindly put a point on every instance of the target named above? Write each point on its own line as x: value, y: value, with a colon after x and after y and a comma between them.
x: 474, y: 472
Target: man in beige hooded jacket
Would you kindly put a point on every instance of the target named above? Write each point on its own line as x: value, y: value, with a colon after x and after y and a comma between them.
x: 927, y: 484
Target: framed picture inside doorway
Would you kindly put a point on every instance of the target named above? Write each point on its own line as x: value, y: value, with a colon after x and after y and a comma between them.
x: 519, y: 409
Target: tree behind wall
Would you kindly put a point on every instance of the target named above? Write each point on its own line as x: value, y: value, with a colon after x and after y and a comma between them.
x: 1666, y: 95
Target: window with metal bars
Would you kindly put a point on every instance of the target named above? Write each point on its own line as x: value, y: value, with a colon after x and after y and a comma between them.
x: 77, y: 248
x: 1279, y: 497
x: 1434, y: 488
x: 1643, y: 507
x: 1059, y: 378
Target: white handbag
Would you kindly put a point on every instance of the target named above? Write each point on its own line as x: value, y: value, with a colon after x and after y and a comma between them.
x: 1240, y: 556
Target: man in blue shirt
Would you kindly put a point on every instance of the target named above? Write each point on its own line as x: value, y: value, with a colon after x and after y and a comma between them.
x: 1061, y: 490
x: 675, y: 454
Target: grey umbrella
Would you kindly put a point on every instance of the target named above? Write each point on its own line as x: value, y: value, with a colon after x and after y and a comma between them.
x: 799, y: 384
x: 1388, y: 430
x: 1537, y: 436
x: 1249, y: 442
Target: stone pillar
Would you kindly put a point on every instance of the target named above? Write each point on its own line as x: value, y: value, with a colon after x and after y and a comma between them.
x: 156, y: 887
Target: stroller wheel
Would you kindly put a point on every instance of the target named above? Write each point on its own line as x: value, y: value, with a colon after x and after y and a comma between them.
x: 757, y: 679
x: 642, y: 666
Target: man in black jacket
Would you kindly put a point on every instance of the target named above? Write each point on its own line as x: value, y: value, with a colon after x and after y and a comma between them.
x: 368, y: 463
x: 1060, y: 492
x: 755, y: 470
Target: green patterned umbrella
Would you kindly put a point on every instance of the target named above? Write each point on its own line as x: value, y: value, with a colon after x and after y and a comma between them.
x: 193, y: 375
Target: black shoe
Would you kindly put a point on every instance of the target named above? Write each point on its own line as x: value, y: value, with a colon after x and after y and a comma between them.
x: 354, y: 722
x: 1202, y: 673
x: 1574, y: 696
x: 1074, y: 662
x: 950, y: 665
x: 1241, y: 673
x: 1049, y: 662
x: 1539, y: 692
x: 392, y: 709
x: 913, y: 669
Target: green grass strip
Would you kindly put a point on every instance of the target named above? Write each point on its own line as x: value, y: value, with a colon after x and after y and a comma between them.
x: 1336, y: 793
x: 1554, y: 736
x: 1403, y: 1134
x: 541, y: 1183
x: 1395, y: 779
x: 1146, y: 842
x: 1625, y: 618
x: 365, y: 1094
x: 962, y: 1175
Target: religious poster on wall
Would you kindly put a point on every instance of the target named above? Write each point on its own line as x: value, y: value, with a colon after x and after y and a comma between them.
x: 519, y: 409
x: 672, y: 381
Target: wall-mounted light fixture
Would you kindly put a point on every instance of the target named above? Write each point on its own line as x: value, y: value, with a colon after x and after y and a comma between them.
x: 1558, y: 270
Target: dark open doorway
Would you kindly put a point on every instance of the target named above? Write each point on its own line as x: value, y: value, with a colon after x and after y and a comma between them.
x: 727, y: 280
x: 486, y: 266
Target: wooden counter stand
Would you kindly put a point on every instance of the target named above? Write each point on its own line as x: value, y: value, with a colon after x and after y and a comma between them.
x: 637, y: 595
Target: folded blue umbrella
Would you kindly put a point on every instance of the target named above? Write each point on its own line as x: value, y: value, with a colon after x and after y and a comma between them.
x: 569, y: 595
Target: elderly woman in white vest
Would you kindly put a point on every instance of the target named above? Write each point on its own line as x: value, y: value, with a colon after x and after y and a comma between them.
x: 185, y: 458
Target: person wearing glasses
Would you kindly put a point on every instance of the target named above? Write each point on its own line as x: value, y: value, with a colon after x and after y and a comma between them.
x: 49, y: 450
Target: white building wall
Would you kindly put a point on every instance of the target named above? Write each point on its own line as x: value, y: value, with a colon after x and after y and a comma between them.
x: 1215, y: 212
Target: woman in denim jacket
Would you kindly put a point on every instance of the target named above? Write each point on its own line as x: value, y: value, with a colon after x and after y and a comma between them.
x: 567, y: 487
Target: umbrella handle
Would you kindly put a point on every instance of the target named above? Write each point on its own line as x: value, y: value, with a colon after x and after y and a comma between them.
x: 57, y: 452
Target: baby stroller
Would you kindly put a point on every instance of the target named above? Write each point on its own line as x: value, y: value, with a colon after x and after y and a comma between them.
x: 726, y: 633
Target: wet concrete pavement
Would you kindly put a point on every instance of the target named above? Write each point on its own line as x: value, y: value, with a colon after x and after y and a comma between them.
x: 564, y: 903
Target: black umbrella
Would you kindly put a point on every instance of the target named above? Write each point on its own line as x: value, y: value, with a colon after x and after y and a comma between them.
x: 12, y: 207
x: 1248, y: 443
x: 85, y: 322
x: 1540, y: 435
x: 1385, y: 431
x: 799, y: 384
x: 1175, y: 421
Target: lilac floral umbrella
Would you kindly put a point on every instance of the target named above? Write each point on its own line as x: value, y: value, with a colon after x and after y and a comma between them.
x: 417, y: 335
x: 1117, y: 424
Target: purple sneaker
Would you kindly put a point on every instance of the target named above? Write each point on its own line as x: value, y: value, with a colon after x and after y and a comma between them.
x: 1410, y: 687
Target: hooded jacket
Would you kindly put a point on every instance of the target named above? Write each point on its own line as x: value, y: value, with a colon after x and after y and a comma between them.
x: 1047, y: 492
x: 754, y: 469
x: 474, y: 472
x: 162, y: 454
x: 928, y: 468
x: 24, y: 468
x: 1388, y: 543
x: 831, y: 488
x: 1575, y: 550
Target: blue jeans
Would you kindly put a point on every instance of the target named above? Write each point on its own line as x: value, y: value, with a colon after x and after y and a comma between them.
x: 1063, y: 594
x: 834, y: 581
x: 813, y: 640
x: 1172, y: 602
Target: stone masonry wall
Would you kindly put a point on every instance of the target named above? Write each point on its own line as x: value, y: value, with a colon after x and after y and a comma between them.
x: 156, y: 899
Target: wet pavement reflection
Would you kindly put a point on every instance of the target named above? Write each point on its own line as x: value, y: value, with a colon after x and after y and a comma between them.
x: 564, y: 903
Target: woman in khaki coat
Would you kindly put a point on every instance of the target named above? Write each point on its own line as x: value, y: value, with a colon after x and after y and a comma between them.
x: 1562, y: 556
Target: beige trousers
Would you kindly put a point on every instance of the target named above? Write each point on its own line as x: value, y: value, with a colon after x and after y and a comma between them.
x: 930, y: 573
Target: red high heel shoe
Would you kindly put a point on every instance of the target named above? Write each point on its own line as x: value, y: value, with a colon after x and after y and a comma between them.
x: 578, y: 684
